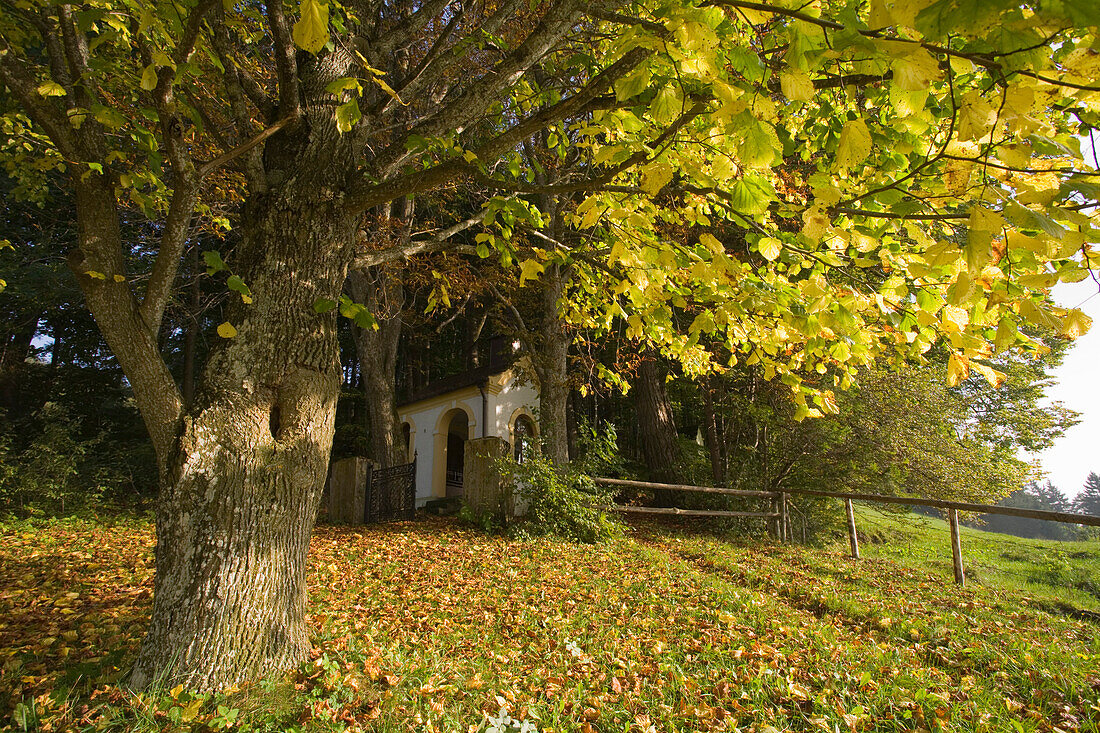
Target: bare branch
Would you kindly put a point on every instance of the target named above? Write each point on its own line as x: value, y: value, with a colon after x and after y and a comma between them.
x: 415, y: 247
x: 367, y: 194
x: 210, y: 166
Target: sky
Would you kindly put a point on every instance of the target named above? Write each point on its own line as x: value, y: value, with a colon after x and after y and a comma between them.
x: 1069, y: 461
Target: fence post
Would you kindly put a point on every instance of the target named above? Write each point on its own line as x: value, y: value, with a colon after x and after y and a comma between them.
x: 784, y: 518
x: 956, y: 548
x: 853, y: 539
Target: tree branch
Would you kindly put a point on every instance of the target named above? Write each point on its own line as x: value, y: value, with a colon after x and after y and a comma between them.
x: 415, y: 247
x: 286, y: 63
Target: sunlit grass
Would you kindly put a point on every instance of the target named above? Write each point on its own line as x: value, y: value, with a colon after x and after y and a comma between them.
x: 431, y: 626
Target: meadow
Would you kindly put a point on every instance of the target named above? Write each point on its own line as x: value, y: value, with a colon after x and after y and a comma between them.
x: 434, y: 626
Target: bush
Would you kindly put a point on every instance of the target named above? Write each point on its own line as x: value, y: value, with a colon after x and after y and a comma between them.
x: 564, y: 504
x: 48, y: 464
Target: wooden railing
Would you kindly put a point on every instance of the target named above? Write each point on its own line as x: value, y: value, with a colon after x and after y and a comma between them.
x: 781, y: 522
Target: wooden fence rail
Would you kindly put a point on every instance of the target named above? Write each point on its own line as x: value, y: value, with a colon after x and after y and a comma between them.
x: 777, y: 518
x: 684, y: 487
x: 780, y: 516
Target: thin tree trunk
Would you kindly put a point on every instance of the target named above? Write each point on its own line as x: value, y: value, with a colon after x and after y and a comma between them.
x: 710, y: 434
x: 657, y: 428
x: 191, y: 332
x: 244, y: 483
x: 381, y: 292
x: 17, y: 346
x: 552, y: 367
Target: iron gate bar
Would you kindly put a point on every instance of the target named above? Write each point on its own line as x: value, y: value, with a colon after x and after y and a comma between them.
x: 390, y: 493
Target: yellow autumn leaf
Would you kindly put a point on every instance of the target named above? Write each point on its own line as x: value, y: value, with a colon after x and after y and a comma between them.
x: 711, y: 243
x: 985, y: 220
x: 655, y: 177
x: 149, y: 78
x: 958, y: 369
x: 954, y: 319
x: 120, y: 278
x: 51, y: 89
x: 310, y: 33
x: 1076, y: 324
x: 855, y: 144
x: 769, y: 248
x: 529, y: 270
x: 1006, y: 334
x: 976, y: 116
x: 190, y: 710
x: 994, y: 377
x: 226, y: 330
x: 797, y: 86
x: 915, y: 70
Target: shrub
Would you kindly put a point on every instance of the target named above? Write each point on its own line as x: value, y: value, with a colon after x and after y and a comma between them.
x: 563, y: 503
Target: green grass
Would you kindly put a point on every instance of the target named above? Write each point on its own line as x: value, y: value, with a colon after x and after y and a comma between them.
x: 431, y: 626
x: 1062, y: 575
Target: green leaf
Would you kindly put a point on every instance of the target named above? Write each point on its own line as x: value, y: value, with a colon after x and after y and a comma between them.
x: 323, y: 305
x: 347, y: 115
x: 310, y: 33
x: 149, y: 78
x: 758, y: 145
x: 751, y: 194
x: 214, y: 262
x: 342, y: 84
x: 235, y: 283
x: 632, y: 84
x: 667, y: 104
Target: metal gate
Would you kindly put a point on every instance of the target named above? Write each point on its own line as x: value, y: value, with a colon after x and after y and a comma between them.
x: 390, y: 494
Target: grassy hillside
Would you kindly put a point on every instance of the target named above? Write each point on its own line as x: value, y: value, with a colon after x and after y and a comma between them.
x: 430, y: 626
x: 1062, y: 575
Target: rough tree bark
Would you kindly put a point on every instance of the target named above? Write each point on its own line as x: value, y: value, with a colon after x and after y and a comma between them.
x: 243, y: 474
x: 551, y: 363
x: 242, y: 488
x: 656, y: 424
x: 381, y: 292
x: 710, y: 433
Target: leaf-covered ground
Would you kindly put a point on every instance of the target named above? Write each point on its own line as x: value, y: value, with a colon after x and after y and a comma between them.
x: 430, y: 626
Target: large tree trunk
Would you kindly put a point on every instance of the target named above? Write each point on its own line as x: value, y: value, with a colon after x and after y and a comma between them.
x: 243, y: 486
x: 382, y: 294
x: 656, y: 425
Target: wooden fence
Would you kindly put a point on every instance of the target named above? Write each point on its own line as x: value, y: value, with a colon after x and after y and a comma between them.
x: 780, y: 518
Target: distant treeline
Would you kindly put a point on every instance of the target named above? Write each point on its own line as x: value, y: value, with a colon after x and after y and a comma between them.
x: 1050, y: 497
